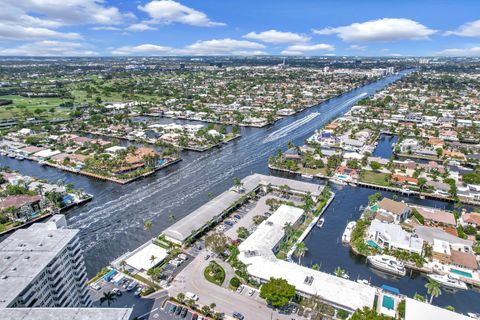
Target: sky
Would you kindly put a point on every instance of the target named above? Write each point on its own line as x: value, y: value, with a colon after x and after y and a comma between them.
x: 239, y: 27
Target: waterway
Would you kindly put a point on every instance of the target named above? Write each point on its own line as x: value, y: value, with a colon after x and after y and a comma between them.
x: 384, y: 148
x: 321, y: 242
x: 112, y: 223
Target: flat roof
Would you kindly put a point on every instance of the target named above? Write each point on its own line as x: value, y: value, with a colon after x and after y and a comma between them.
x: 65, y: 313
x: 256, y: 252
x: 416, y: 310
x: 182, y: 229
x: 26, y: 253
x: 141, y: 260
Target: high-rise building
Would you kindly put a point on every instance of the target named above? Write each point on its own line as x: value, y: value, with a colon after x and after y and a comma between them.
x: 42, y: 266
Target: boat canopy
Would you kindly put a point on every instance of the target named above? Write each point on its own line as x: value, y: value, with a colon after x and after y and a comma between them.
x: 391, y: 289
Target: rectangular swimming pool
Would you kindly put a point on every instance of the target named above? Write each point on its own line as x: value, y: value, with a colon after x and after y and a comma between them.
x: 388, y: 302
x: 461, y: 273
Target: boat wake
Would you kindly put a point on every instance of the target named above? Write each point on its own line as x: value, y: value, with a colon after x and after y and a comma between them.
x: 280, y: 133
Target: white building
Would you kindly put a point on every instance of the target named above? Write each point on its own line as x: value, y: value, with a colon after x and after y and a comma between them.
x: 42, y: 266
x: 257, y: 252
x: 392, y: 236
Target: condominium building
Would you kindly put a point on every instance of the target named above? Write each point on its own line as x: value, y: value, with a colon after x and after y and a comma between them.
x: 42, y: 266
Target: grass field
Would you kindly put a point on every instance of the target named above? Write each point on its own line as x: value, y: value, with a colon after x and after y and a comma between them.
x: 23, y: 107
x: 377, y: 178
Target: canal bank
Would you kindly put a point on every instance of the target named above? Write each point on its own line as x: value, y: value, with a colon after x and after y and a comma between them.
x: 112, y: 223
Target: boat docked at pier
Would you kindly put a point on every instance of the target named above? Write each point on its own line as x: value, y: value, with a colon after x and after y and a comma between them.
x: 448, y: 281
x: 320, y: 222
x: 388, y: 264
x: 347, y: 234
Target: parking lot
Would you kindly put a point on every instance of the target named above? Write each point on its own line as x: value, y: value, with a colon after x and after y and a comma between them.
x: 141, y: 306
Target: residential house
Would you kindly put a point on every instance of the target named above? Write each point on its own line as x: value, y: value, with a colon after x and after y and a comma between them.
x: 20, y: 206
x: 398, y: 210
x: 436, y: 217
x: 392, y: 236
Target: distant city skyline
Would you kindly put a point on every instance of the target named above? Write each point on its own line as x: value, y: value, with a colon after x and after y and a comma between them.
x: 187, y: 27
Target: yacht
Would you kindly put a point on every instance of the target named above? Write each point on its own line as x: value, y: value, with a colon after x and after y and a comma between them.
x: 448, y: 281
x: 363, y: 281
x: 320, y: 222
x: 19, y: 157
x: 307, y: 176
x: 348, y: 231
x: 388, y: 264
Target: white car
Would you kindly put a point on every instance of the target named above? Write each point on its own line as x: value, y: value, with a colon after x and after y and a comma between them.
x: 239, y: 289
x: 191, y: 296
x: 95, y: 286
x: 251, y: 292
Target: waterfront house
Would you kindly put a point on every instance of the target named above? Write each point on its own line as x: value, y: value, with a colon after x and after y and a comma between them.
x: 470, y: 219
x: 436, y: 217
x: 346, y: 174
x: 398, y: 210
x: 441, y: 251
x: 404, y: 180
x: 20, y: 206
x: 392, y: 236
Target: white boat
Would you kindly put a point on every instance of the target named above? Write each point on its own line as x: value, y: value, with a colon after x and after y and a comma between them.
x: 473, y: 315
x: 388, y: 264
x: 448, y: 281
x: 19, y: 158
x: 307, y: 176
x: 363, y: 281
x: 348, y: 231
x: 320, y: 222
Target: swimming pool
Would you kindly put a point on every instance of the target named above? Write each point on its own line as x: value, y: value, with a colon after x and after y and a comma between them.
x: 461, y: 273
x: 388, y: 303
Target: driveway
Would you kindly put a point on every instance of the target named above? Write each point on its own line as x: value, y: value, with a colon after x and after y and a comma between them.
x: 191, y: 280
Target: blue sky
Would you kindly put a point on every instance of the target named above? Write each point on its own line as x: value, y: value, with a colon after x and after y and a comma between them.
x: 243, y: 27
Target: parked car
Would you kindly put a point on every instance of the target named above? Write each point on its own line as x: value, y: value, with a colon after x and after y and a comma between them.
x: 126, y: 284
x: 191, y: 296
x: 132, y: 285
x: 138, y: 291
x: 228, y: 223
x: 240, y: 289
x: 238, y: 315
x: 95, y: 286
x: 117, y: 291
x: 179, y: 310
x: 251, y: 292
x: 172, y: 309
x: 195, y: 316
x: 237, y: 216
x: 184, y: 313
x: 207, y: 257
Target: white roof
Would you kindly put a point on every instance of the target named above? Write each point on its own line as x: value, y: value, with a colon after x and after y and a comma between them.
x: 256, y: 252
x: 141, y: 259
x: 47, y: 153
x: 115, y: 149
x: 416, y: 310
x: 397, y: 237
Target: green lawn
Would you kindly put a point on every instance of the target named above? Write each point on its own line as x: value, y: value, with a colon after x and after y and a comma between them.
x: 377, y: 178
x: 214, y: 273
x: 23, y: 107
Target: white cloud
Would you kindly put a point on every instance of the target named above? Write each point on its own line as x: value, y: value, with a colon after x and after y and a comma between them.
x: 386, y: 29
x: 208, y: 47
x: 144, y: 49
x: 108, y: 28
x: 300, y: 49
x: 469, y: 29
x: 460, y: 52
x: 274, y: 36
x: 19, y: 32
x: 49, y: 48
x: 169, y: 11
x: 223, y: 46
x: 139, y: 27
x: 357, y: 47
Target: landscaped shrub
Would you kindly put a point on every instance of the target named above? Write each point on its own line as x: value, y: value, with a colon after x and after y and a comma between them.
x: 235, y: 282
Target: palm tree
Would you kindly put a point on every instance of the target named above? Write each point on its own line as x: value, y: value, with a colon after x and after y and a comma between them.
x: 288, y: 228
x: 109, y: 297
x: 339, y: 272
x: 152, y: 259
x: 40, y: 189
x: 433, y: 289
x: 147, y: 226
x: 301, y: 250
x: 123, y: 263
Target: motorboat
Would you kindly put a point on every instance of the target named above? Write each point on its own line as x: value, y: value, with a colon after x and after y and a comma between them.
x: 307, y: 176
x: 348, y: 232
x: 363, y: 281
x: 320, y: 222
x: 19, y: 157
x: 448, y: 281
x: 388, y: 264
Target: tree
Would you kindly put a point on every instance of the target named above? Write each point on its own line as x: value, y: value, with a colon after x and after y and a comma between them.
x: 152, y: 259
x: 373, y: 198
x: 147, y: 226
x: 108, y: 297
x: 277, y: 292
x: 433, y: 289
x: 242, y: 232
x: 307, y: 202
x: 367, y: 314
x: 375, y: 165
x: 339, y: 272
x: 217, y: 242
x: 180, y: 296
x: 288, y: 229
x: 419, y: 297
x: 301, y: 251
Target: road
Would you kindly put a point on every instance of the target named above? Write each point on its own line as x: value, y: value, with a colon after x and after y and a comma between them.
x: 191, y: 279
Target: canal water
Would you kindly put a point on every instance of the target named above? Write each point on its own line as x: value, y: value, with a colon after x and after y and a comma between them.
x: 384, y: 148
x: 112, y: 223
